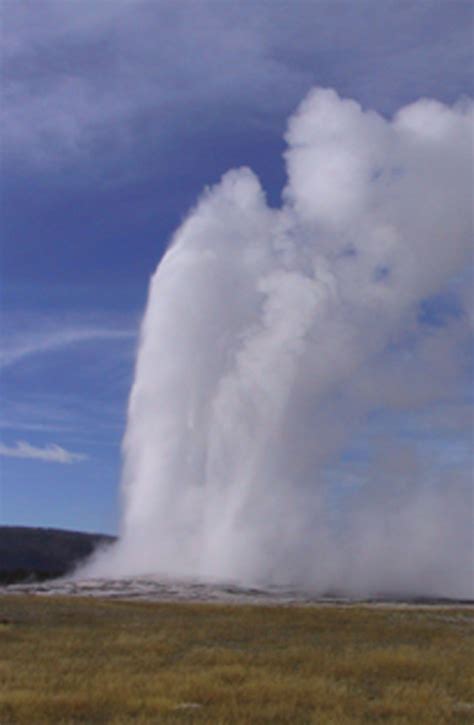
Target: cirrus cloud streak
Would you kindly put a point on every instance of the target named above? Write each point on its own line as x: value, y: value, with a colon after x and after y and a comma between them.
x: 51, y: 453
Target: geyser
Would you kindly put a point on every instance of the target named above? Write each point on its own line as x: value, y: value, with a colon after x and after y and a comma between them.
x: 270, y: 338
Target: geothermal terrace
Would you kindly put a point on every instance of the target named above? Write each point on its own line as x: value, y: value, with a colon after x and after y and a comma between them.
x: 154, y: 589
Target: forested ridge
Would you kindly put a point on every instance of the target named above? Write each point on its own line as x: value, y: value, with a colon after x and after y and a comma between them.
x: 34, y: 554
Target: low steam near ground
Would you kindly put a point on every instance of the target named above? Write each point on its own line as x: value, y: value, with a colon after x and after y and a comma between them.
x: 274, y: 336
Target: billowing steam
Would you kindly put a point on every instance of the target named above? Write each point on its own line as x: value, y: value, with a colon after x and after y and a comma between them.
x: 272, y: 336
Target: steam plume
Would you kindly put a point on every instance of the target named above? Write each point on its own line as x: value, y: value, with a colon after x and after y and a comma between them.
x: 271, y: 335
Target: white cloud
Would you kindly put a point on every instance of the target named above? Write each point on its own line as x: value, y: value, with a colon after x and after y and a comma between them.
x: 52, y: 453
x: 39, y: 392
x: 18, y: 346
x: 77, y: 71
x: 84, y: 416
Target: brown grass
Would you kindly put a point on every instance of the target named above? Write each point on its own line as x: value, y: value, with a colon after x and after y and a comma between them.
x: 82, y: 660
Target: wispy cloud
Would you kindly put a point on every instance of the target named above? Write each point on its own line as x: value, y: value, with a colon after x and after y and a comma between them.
x: 69, y: 414
x: 52, y: 453
x: 34, y: 343
x: 67, y: 86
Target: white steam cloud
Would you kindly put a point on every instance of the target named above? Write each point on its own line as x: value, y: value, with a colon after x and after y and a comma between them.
x: 271, y: 335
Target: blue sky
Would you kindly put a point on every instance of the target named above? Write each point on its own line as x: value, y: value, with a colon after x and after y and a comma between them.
x: 115, y: 116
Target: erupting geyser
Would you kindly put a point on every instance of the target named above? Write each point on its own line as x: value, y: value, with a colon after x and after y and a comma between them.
x: 271, y: 335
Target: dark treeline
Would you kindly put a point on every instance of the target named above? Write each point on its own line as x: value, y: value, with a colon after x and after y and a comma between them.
x: 35, y: 554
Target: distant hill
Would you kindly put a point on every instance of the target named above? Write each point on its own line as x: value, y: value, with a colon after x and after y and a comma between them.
x: 34, y: 554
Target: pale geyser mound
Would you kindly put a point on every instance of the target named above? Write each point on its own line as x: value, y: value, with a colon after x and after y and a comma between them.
x: 271, y: 339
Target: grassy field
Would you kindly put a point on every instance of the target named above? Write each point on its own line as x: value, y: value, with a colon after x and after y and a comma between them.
x: 82, y: 660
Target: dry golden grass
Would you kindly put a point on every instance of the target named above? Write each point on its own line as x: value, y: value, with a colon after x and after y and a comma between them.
x: 82, y: 660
